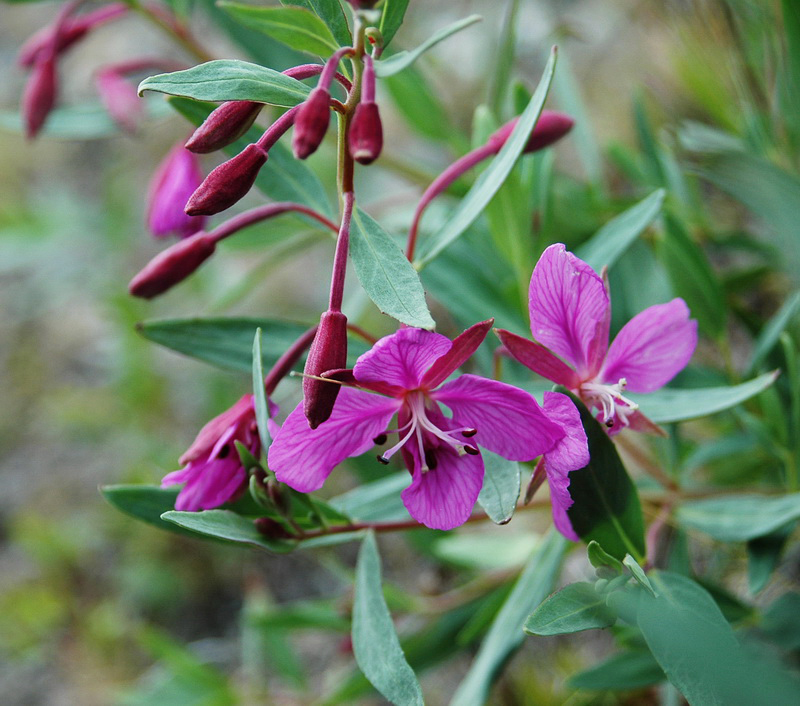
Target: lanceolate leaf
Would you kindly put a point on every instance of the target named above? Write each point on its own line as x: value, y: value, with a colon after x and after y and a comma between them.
x: 391, y: 18
x: 771, y: 332
x: 606, y: 505
x: 330, y: 11
x: 296, y: 27
x: 386, y: 275
x: 505, y: 634
x: 739, y: 518
x: 375, y: 643
x: 229, y: 79
x: 404, y: 59
x: 495, y: 174
x: 501, y: 486
x: 613, y: 239
x: 677, y: 405
x: 574, y: 608
x: 259, y: 395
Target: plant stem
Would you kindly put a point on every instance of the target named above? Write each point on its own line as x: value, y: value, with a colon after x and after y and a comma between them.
x: 170, y: 24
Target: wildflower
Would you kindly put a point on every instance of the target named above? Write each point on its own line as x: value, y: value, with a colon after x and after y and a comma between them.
x: 570, y: 312
x: 174, y: 181
x: 442, y: 453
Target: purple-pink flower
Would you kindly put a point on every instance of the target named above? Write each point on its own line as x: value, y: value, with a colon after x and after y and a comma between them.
x: 213, y: 474
x: 173, y: 183
x: 404, y: 374
x: 570, y: 310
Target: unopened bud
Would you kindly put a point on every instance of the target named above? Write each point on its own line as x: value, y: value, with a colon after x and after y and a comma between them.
x: 271, y: 528
x: 550, y: 128
x: 365, y: 136
x: 328, y: 352
x: 228, y: 183
x: 173, y: 265
x: 39, y: 96
x: 311, y: 123
x: 224, y: 125
x: 120, y: 99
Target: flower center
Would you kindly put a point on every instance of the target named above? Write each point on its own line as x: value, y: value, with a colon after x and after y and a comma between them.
x: 427, y: 434
x: 609, y: 399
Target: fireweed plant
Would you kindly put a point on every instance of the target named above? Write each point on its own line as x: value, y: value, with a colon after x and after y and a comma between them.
x: 462, y: 438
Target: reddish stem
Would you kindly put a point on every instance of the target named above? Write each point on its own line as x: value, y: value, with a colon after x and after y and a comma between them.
x: 340, y: 257
x: 261, y: 213
x: 287, y: 361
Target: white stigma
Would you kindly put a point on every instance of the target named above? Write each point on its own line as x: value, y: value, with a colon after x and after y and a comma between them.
x: 610, y: 400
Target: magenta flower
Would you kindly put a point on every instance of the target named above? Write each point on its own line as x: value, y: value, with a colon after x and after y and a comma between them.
x: 442, y: 453
x: 173, y: 183
x: 570, y: 313
x: 213, y: 474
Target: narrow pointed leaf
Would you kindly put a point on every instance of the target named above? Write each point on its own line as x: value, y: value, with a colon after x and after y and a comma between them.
x: 386, y: 275
x: 375, y: 642
x: 391, y: 18
x: 771, y: 332
x: 259, y: 395
x: 501, y: 486
x: 574, y: 608
x: 331, y: 12
x: 404, y: 59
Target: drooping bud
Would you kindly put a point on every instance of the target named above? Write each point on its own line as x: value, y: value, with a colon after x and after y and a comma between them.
x: 120, y: 99
x: 363, y: 4
x: 39, y: 96
x: 228, y: 183
x: 550, y: 128
x: 365, y: 137
x: 224, y: 125
x: 328, y: 352
x: 311, y: 123
x: 172, y: 266
x: 175, y: 180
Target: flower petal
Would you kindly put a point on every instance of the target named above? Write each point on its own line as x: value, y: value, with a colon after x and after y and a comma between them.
x: 571, y: 452
x: 509, y: 420
x: 443, y: 497
x: 402, y: 358
x: 208, y: 436
x: 303, y: 457
x: 463, y: 347
x: 539, y: 359
x: 652, y: 348
x: 209, y: 484
x: 568, y: 306
x: 561, y: 520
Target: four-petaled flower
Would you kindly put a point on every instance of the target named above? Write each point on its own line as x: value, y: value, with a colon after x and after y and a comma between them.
x: 570, y: 312
x: 407, y: 370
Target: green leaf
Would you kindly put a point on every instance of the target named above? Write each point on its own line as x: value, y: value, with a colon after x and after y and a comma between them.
x: 378, y: 501
x: 622, y: 672
x: 386, y: 275
x: 331, y: 12
x: 227, y: 80
x: 375, y: 643
x: 295, y: 27
x: 404, y: 59
x: 613, y: 239
x: 493, y: 177
x: 772, y: 331
x: 144, y: 502
x: 598, y: 557
x: 229, y: 527
x: 741, y: 517
x: 392, y: 15
x: 259, y: 395
x: 696, y: 648
x: 505, y: 634
x: 574, y: 608
x: 501, y: 486
x: 781, y: 621
x: 678, y: 405
x: 606, y: 505
x: 638, y: 574
x: 763, y: 556
x: 282, y: 178
x: 692, y: 277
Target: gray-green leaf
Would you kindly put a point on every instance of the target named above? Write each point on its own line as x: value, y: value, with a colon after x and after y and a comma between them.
x: 501, y: 486
x: 574, y: 608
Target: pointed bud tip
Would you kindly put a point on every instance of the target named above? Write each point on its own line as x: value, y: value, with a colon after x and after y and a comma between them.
x: 223, y: 126
x: 172, y: 266
x: 550, y: 128
x: 311, y: 123
x: 328, y: 352
x: 365, y: 137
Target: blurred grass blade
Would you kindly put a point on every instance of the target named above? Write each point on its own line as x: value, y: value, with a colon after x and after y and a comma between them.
x: 763, y: 556
x: 613, y: 239
x: 501, y: 486
x: 492, y: 178
x: 391, y: 19
x: 375, y: 643
x: 505, y: 634
x: 501, y: 79
x: 259, y: 395
x: 771, y: 332
x: 404, y: 59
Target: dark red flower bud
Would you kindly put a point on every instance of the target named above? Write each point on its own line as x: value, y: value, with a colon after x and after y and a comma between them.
x: 550, y: 128
x: 365, y: 137
x: 173, y: 265
x: 328, y: 352
x: 39, y: 96
x: 228, y: 183
x: 363, y: 4
x: 224, y: 126
x: 311, y: 123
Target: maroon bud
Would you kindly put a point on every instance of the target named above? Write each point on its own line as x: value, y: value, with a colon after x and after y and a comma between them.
x: 311, y: 123
x: 363, y: 4
x: 550, y: 128
x: 365, y: 137
x: 173, y: 265
x: 271, y: 529
x: 224, y: 126
x: 228, y: 183
x: 328, y: 352
x: 39, y: 96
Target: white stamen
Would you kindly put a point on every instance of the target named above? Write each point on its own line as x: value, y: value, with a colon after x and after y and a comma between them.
x: 610, y: 400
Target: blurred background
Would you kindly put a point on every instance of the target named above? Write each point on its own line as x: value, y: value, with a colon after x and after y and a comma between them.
x: 96, y: 608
